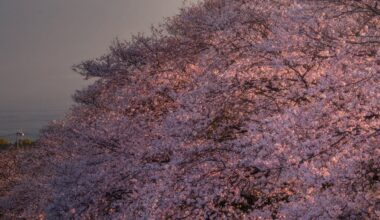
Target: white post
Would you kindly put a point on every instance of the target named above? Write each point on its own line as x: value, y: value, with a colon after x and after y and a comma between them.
x: 18, y: 134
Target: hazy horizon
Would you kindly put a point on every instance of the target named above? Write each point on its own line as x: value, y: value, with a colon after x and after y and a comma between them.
x: 40, y: 40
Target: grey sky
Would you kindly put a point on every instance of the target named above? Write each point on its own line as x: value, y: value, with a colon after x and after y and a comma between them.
x: 41, y: 39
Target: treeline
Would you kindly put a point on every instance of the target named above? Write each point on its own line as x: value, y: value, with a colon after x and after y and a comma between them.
x: 25, y: 142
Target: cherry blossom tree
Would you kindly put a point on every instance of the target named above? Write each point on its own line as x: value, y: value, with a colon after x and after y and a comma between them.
x: 232, y: 109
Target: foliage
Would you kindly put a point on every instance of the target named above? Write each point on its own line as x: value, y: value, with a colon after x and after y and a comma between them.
x: 232, y: 109
x: 26, y: 142
x: 4, y: 142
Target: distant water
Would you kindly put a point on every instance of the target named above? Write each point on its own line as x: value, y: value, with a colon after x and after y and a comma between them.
x: 30, y: 122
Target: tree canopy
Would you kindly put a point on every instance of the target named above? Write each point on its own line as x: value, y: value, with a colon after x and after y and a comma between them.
x: 232, y: 109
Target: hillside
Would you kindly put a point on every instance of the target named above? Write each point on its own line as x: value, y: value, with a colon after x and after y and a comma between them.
x: 233, y: 109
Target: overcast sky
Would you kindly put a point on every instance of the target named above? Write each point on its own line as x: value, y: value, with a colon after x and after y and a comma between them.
x: 41, y: 39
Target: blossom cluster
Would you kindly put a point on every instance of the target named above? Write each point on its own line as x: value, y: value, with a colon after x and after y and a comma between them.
x: 233, y: 109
